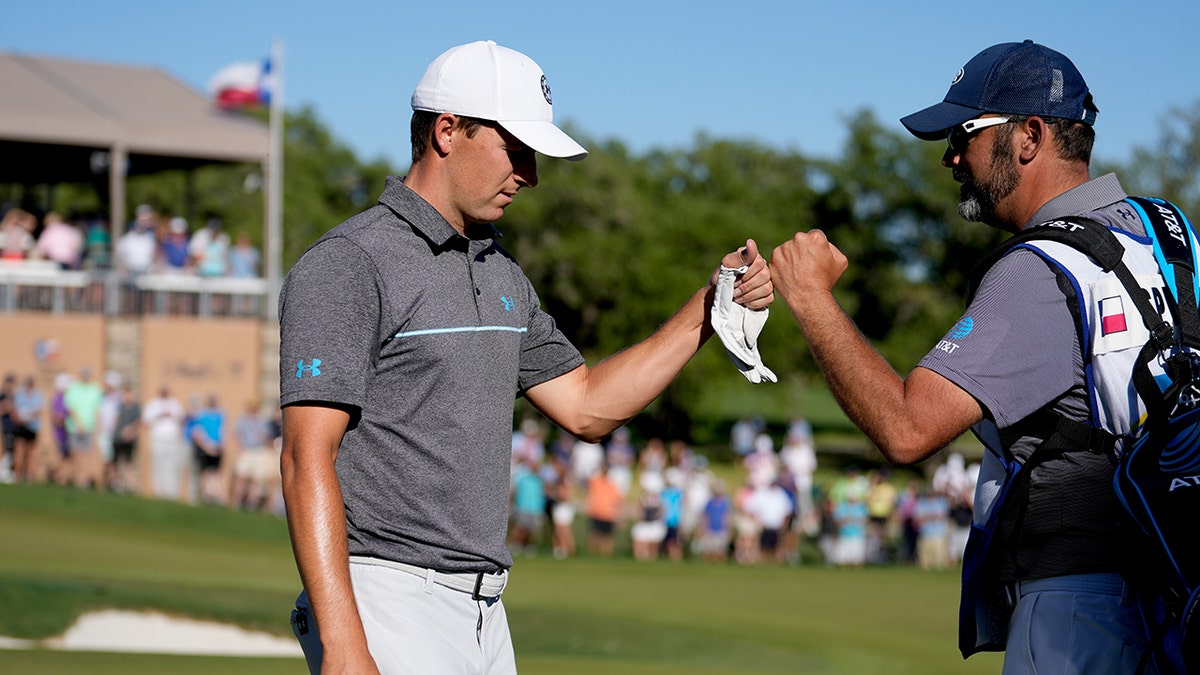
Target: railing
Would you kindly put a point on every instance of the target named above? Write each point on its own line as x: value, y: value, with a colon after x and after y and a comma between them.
x: 38, y: 282
x: 41, y: 286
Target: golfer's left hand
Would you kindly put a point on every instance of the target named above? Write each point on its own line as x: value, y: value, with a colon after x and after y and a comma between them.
x: 753, y: 289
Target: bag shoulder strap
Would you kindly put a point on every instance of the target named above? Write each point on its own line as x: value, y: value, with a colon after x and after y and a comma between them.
x: 1173, y: 247
x: 1099, y: 244
x: 1096, y: 242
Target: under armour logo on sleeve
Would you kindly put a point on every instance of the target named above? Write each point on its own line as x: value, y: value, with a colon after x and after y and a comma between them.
x: 314, y: 370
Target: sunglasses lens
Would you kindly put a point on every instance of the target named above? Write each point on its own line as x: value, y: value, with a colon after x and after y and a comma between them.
x: 955, y: 139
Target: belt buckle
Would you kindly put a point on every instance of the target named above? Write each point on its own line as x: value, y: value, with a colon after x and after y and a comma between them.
x: 478, y: 585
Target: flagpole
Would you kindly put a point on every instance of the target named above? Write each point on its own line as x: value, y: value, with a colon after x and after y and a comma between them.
x: 274, y: 243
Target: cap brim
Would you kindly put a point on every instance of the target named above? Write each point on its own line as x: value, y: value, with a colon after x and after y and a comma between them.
x: 934, y: 122
x: 545, y: 138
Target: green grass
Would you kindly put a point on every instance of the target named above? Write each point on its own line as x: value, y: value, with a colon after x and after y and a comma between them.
x: 628, y: 617
x: 66, y: 552
x: 142, y: 664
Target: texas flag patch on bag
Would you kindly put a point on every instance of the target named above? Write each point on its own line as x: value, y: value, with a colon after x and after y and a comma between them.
x: 1112, y: 315
x: 1114, y: 321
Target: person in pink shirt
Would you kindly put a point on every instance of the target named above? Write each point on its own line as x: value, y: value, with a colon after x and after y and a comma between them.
x: 60, y: 241
x: 16, y: 234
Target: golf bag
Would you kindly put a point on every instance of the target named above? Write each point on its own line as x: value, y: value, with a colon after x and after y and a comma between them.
x: 1157, y: 477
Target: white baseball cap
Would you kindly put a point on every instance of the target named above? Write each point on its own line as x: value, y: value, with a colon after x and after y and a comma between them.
x: 490, y: 82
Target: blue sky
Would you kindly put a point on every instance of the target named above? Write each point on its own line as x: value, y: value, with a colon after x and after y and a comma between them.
x: 651, y: 74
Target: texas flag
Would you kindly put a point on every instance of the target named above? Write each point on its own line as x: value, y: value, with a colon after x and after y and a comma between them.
x: 1112, y: 315
x: 246, y: 84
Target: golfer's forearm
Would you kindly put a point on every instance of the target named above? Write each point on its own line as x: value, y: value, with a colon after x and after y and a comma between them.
x: 591, y: 402
x: 317, y: 524
x: 630, y: 379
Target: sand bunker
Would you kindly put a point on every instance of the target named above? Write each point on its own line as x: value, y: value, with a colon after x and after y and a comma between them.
x: 152, y: 632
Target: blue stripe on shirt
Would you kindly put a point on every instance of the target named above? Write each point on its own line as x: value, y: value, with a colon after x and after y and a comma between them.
x: 463, y: 329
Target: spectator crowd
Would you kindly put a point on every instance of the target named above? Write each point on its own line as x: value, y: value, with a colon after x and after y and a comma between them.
x: 92, y: 432
x: 664, y: 501
x: 152, y: 243
x: 657, y: 501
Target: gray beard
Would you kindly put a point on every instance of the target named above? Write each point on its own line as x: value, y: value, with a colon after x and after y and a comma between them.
x: 977, y: 201
x: 970, y: 206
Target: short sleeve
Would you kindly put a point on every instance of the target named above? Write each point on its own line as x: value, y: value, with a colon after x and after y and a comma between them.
x: 329, y: 311
x: 546, y: 353
x: 1015, y: 349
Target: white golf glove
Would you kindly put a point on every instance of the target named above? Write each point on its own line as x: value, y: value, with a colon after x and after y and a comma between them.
x: 738, y: 327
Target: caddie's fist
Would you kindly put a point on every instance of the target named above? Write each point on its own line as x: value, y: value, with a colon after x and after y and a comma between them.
x: 807, y: 263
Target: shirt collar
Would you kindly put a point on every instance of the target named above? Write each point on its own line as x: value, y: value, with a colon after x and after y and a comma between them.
x: 421, y: 215
x: 1090, y: 196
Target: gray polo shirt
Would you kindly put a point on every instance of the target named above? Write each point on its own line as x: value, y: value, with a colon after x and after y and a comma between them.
x: 428, y: 337
x: 1017, y: 352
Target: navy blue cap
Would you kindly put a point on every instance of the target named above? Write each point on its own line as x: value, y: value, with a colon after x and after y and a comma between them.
x: 1015, y: 78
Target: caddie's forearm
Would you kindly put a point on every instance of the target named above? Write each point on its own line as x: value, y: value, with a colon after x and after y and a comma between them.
x: 865, y: 385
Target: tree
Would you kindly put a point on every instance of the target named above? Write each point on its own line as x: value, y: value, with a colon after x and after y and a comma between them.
x: 1171, y: 168
x: 615, y: 244
x: 892, y: 209
x: 324, y: 183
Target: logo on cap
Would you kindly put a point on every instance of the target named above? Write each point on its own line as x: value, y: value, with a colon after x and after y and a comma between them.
x: 957, y: 77
x: 546, y: 90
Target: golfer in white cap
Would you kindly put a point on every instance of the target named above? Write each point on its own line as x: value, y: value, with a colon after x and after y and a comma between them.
x: 406, y: 334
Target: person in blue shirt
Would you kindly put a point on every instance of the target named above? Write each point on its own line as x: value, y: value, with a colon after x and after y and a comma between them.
x: 207, y: 434
x: 528, y: 508
x: 672, y: 504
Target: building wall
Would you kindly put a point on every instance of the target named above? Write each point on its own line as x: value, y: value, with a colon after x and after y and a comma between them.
x: 198, y: 358
x: 45, y: 345
x: 229, y: 358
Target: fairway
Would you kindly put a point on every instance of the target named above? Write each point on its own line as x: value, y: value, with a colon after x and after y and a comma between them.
x: 67, y: 552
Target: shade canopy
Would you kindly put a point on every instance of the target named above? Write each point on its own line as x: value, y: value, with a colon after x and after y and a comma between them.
x: 66, y: 121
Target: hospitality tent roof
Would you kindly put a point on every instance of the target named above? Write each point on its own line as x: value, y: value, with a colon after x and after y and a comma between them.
x: 55, y: 114
x: 64, y: 121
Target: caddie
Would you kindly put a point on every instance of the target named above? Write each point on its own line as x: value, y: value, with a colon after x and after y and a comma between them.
x: 1042, y: 577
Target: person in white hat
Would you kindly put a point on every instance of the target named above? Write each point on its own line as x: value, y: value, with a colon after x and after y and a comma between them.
x: 406, y: 333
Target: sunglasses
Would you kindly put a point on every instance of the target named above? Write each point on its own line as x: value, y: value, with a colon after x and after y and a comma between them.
x: 962, y: 134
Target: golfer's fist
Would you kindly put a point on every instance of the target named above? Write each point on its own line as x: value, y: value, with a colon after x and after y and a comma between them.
x: 753, y: 288
x: 806, y: 264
